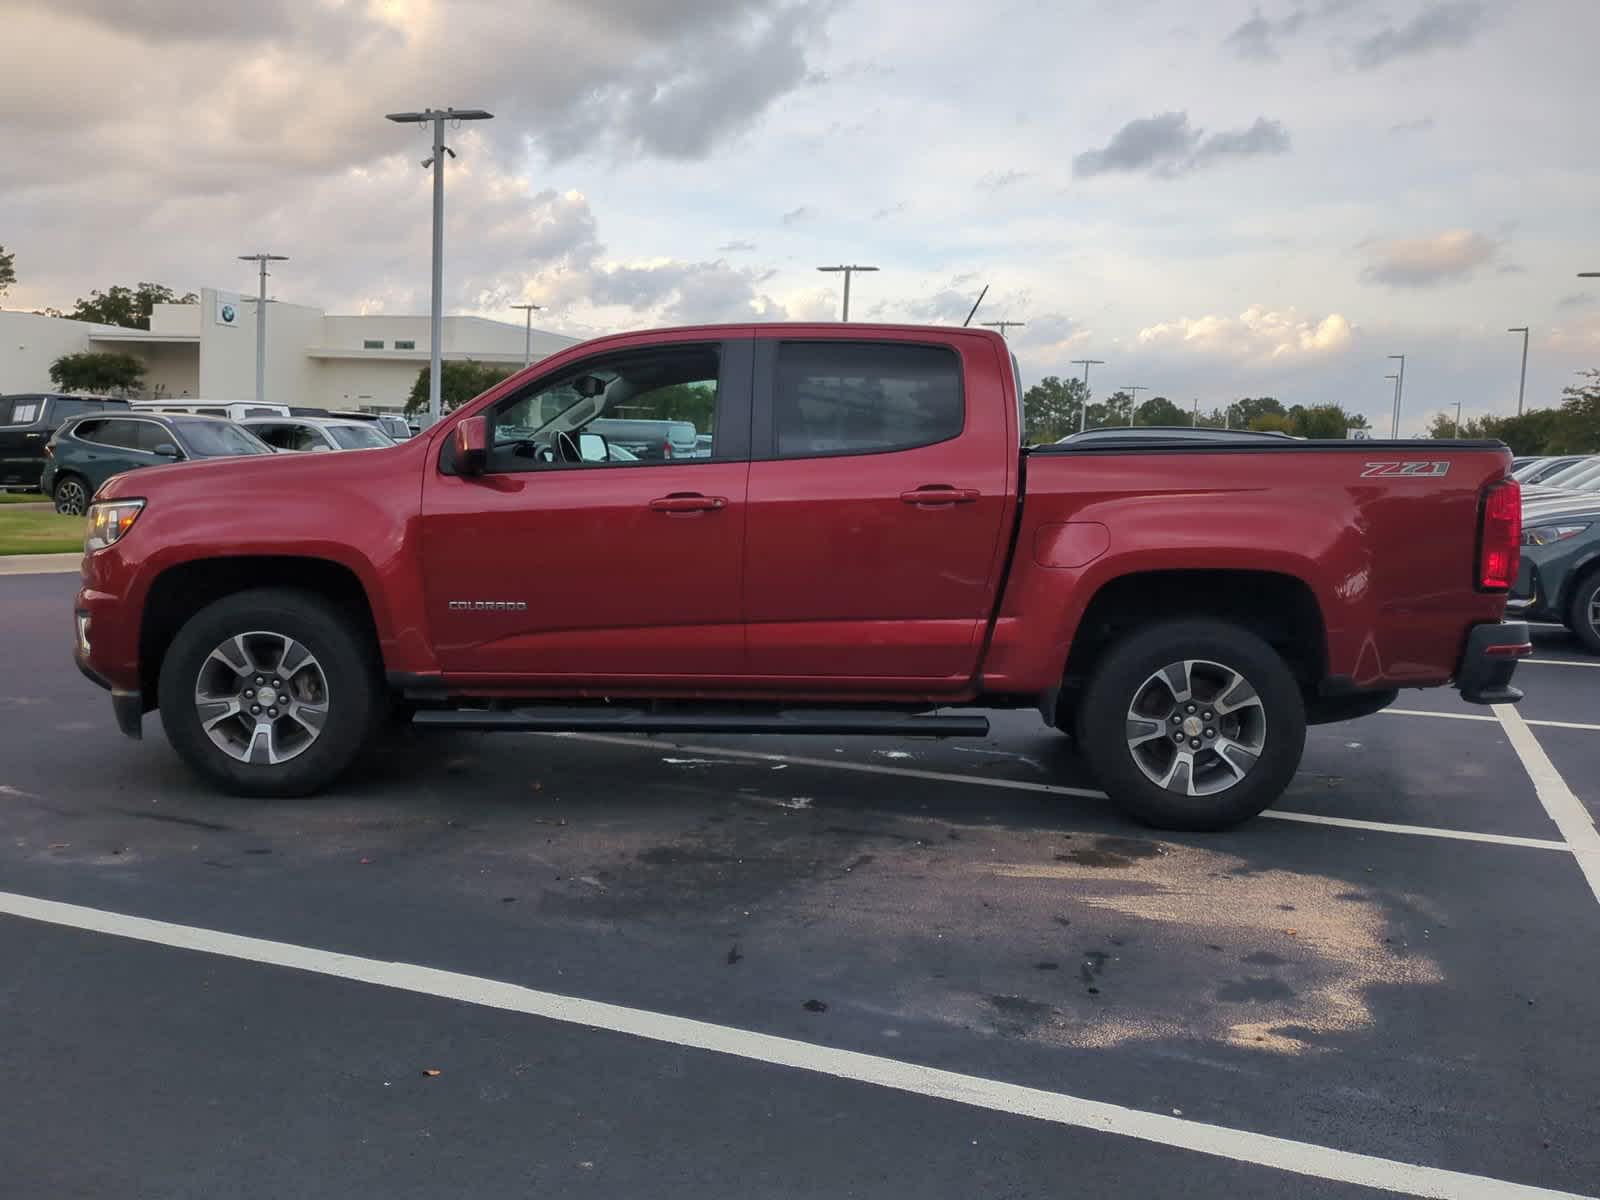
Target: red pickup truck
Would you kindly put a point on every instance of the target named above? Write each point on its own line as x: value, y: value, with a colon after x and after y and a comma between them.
x: 864, y: 542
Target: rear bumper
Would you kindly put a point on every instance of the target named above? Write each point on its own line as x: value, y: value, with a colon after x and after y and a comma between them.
x: 1489, y: 660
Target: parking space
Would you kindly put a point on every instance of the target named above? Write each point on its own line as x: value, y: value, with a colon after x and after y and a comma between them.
x: 1319, y: 977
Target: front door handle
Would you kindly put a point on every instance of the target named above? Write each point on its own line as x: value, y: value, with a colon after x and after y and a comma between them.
x: 688, y: 502
x: 940, y: 493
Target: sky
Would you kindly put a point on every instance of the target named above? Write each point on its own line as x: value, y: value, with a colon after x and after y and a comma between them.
x: 1219, y: 198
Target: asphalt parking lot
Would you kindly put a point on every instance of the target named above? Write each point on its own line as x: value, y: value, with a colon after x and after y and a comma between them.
x: 796, y: 967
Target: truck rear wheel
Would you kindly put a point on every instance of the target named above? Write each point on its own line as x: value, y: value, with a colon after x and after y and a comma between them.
x: 1192, y: 724
x: 270, y: 692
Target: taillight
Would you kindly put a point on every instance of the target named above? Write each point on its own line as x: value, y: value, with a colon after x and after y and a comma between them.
x: 1500, y: 536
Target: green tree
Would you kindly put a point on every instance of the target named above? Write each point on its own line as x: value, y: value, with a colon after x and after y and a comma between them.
x: 458, y: 383
x: 128, y: 307
x: 96, y: 372
x: 1320, y: 421
x: 1158, y: 410
x: 1051, y: 409
x: 1249, y: 408
x: 1271, y: 422
x: 8, y: 270
x: 1576, y: 428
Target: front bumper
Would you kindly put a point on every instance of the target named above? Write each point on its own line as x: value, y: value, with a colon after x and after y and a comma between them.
x: 1489, y: 660
x: 127, y: 706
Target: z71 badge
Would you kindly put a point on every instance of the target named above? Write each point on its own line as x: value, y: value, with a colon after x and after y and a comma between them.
x: 1411, y: 470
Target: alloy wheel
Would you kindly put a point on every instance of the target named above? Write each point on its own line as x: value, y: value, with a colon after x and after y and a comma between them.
x: 1196, y: 727
x: 71, y: 498
x: 262, y: 698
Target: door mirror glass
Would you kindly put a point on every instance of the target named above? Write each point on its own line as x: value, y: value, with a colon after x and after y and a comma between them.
x: 166, y: 450
x: 592, y: 448
x: 472, y: 446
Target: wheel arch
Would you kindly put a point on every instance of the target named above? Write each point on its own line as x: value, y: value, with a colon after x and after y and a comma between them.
x: 184, y: 589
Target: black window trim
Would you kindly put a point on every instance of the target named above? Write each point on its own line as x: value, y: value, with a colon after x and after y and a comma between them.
x: 131, y: 419
x: 736, y: 362
x: 764, y: 430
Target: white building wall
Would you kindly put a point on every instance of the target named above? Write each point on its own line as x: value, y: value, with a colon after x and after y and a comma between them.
x: 30, y: 343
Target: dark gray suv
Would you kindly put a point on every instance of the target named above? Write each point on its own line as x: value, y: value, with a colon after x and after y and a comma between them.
x: 26, y: 423
x: 1560, y: 576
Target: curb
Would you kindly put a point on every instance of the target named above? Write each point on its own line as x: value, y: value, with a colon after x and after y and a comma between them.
x: 41, y: 564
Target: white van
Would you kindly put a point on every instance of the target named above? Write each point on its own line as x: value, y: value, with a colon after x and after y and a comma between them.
x: 234, y: 410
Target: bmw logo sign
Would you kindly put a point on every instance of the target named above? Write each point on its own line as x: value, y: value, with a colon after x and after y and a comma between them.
x: 227, y: 314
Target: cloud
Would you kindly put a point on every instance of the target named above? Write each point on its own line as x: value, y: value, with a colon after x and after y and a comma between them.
x: 1582, y: 336
x: 994, y: 181
x: 1447, y: 25
x: 1168, y: 145
x: 1578, y: 300
x: 797, y: 215
x: 892, y: 210
x: 1257, y: 335
x: 1255, y: 40
x: 1418, y: 125
x: 1425, y: 262
x: 736, y: 247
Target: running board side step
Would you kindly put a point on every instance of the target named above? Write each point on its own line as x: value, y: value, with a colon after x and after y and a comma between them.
x: 543, y: 719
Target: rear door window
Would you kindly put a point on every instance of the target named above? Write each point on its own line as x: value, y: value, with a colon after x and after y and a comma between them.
x: 19, y: 410
x: 835, y: 398
x: 122, y: 434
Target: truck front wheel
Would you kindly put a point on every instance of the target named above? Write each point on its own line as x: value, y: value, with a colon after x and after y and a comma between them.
x: 1192, y: 724
x: 270, y: 692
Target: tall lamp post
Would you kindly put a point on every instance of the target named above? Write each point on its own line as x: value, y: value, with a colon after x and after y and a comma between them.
x: 527, y: 337
x: 1086, y: 363
x: 1002, y: 326
x: 1522, y: 385
x: 1458, y: 418
x: 261, y: 320
x: 848, y: 270
x: 1133, y: 389
x: 437, y: 117
x: 1399, y: 391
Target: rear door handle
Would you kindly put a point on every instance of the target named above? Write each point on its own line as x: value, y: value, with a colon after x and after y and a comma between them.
x: 939, y: 493
x: 688, y: 502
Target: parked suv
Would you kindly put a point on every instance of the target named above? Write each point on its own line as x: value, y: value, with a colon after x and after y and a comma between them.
x: 87, y: 451
x: 26, y: 423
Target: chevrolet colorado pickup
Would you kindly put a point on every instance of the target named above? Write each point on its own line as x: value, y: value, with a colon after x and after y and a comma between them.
x: 867, y: 544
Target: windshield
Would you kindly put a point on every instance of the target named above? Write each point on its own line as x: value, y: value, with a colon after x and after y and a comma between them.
x: 358, y: 437
x: 1564, y: 477
x: 218, y: 439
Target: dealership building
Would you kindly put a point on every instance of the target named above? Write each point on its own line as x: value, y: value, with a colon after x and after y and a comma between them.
x: 208, y: 351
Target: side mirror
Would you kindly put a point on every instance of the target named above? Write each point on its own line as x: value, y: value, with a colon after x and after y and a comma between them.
x: 166, y: 450
x: 592, y: 447
x: 471, y: 455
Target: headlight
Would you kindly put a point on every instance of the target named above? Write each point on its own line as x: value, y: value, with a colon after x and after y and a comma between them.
x: 1544, y: 535
x: 108, y: 521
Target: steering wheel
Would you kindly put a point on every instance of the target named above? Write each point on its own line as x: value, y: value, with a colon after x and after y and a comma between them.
x: 566, y: 448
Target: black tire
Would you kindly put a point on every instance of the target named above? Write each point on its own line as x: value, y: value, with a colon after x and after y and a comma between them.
x: 1128, y: 673
x: 1583, y: 614
x: 71, y: 495
x: 347, y: 668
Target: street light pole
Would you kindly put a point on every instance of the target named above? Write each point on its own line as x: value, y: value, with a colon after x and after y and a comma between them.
x: 1086, y: 363
x: 1133, y: 409
x: 848, y: 270
x: 1522, y: 386
x: 1194, y: 421
x: 1458, y: 418
x: 437, y: 117
x: 527, y: 337
x: 1399, y: 391
x: 261, y: 320
x: 1002, y: 326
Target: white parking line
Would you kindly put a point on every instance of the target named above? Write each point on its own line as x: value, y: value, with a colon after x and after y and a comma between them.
x: 1557, y: 662
x: 1449, y: 716
x: 637, y: 742
x: 1236, y: 1145
x: 1565, y: 809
